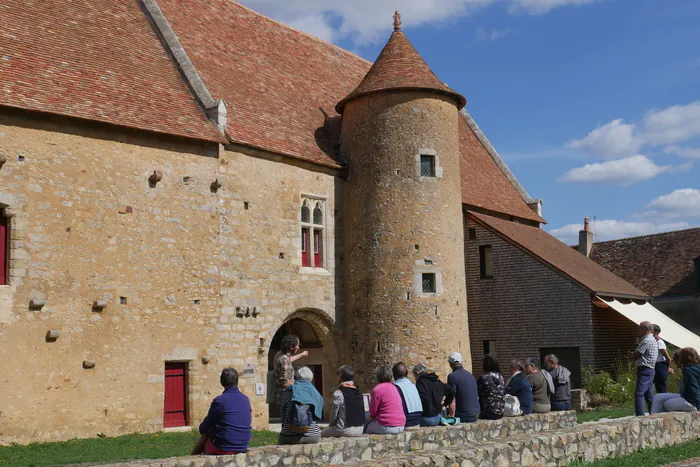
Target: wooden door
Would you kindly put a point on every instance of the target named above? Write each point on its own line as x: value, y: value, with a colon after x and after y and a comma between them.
x: 175, y: 405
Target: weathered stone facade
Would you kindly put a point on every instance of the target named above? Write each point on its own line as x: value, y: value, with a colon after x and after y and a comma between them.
x: 400, y: 225
x: 176, y: 262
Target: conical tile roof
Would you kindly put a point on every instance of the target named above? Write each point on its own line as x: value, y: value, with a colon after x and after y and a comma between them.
x: 399, y: 66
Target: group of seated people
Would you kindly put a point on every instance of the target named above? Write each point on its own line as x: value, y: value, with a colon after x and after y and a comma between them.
x: 397, y: 404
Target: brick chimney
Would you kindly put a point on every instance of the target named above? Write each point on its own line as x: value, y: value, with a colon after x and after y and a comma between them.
x: 585, y: 238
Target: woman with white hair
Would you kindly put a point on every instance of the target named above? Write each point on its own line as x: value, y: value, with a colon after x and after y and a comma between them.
x: 302, y: 408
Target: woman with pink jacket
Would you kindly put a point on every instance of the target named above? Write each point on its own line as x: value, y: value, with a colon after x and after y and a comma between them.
x: 385, y: 408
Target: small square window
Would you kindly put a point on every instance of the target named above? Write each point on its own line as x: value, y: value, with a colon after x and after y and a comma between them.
x: 428, y: 281
x: 427, y: 165
x: 486, y: 261
x: 122, y: 300
x: 472, y: 234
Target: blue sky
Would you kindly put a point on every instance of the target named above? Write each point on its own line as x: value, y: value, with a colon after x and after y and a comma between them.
x: 594, y: 104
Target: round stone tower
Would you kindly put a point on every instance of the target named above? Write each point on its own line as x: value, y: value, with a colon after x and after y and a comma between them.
x: 403, y: 235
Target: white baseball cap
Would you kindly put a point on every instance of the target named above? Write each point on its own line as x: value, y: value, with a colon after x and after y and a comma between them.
x: 455, y: 357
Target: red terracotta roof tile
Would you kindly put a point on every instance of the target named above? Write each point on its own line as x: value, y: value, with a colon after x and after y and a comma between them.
x: 279, y: 84
x: 400, y: 66
x: 484, y: 185
x: 94, y: 59
x: 561, y: 257
x: 660, y: 264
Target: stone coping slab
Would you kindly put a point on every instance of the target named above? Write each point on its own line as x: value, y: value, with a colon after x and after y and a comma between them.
x: 589, y: 442
x: 365, y: 448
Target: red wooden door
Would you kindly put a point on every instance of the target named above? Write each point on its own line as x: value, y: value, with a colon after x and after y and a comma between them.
x: 4, y: 248
x: 175, y: 406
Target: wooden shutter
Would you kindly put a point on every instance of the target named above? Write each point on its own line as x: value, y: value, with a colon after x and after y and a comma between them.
x: 4, y: 248
x: 305, y: 248
x: 318, y: 248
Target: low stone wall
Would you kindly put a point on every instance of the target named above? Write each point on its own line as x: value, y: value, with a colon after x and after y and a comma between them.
x: 353, y: 450
x: 588, y: 442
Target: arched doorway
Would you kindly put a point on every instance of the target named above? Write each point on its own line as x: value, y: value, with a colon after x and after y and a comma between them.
x: 317, y: 338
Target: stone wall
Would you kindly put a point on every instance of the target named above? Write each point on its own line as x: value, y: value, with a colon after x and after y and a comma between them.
x: 176, y: 261
x: 588, y: 442
x: 352, y: 450
x: 526, y: 306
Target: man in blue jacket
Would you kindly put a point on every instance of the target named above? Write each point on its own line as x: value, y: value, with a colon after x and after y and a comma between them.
x: 466, y: 402
x: 227, y: 428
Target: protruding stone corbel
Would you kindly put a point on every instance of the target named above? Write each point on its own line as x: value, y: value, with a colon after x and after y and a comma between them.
x: 99, y: 305
x: 89, y: 364
x: 215, y: 185
x: 206, y: 360
x: 52, y: 335
x: 155, y: 177
x: 37, y: 304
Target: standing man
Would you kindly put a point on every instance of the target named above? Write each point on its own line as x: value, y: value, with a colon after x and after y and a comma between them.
x: 645, y: 357
x: 663, y: 363
x: 283, y: 362
x: 561, y: 377
x: 466, y: 403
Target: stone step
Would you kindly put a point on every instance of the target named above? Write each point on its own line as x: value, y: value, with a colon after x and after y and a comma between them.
x: 588, y: 442
x: 348, y: 450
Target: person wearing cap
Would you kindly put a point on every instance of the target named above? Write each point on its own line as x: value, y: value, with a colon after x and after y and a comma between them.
x: 466, y: 403
x: 663, y: 362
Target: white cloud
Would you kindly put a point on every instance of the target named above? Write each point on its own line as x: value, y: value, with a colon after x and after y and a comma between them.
x: 619, y: 172
x: 483, y: 35
x: 316, y: 25
x: 683, y: 203
x: 610, y: 141
x: 538, y: 7
x: 672, y: 125
x: 690, y: 153
x: 368, y: 21
x: 614, y: 229
x: 363, y: 21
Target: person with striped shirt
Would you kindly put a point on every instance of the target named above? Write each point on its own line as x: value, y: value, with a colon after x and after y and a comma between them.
x: 301, y: 392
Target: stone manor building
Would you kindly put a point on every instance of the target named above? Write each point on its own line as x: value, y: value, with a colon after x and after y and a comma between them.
x: 184, y: 182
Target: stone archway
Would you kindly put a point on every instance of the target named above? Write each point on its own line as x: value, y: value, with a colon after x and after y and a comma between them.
x: 318, y: 336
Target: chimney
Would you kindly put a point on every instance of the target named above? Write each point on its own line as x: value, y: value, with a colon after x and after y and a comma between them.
x: 585, y: 238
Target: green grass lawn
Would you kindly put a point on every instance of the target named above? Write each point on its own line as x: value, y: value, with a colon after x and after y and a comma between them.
x: 606, y: 412
x: 106, y: 450
x: 650, y: 457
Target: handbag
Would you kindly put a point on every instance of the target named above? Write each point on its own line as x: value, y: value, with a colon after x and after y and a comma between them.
x: 512, y: 406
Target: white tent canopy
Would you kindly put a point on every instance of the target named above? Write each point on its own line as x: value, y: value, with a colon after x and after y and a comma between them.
x: 670, y: 330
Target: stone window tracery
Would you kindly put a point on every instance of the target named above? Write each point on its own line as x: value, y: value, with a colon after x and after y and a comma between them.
x: 312, y: 233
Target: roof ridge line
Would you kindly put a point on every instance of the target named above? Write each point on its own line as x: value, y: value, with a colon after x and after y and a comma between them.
x: 657, y: 234
x: 318, y: 39
x: 499, y: 160
x: 215, y: 109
